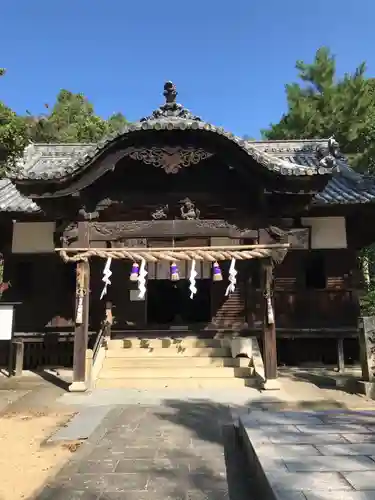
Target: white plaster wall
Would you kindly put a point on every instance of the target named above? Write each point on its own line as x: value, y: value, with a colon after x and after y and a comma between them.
x: 33, y: 237
x: 326, y: 232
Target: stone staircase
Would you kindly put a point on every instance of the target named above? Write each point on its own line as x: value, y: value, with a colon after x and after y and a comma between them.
x: 173, y: 363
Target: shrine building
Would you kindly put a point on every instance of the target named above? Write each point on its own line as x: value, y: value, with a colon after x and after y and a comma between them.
x: 177, y: 229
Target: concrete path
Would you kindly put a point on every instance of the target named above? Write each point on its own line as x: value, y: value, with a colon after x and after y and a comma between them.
x: 179, y: 451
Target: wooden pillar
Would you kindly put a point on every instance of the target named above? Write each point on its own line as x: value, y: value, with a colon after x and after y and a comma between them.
x: 269, y: 329
x: 19, y: 353
x: 81, y: 314
x: 366, y: 345
x: 340, y: 355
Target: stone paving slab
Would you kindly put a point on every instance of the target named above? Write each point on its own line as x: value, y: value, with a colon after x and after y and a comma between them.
x: 147, y: 452
x: 82, y: 425
x: 341, y: 495
x: 331, y: 464
x: 329, y: 455
x: 275, y: 437
x: 367, y: 449
x: 364, y: 480
x: 359, y: 438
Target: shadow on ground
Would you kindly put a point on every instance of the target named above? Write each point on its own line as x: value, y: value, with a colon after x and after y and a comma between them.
x: 182, y: 450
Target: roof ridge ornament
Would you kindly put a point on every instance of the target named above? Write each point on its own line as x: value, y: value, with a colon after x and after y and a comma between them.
x: 327, y: 155
x: 170, y: 93
x: 171, y: 109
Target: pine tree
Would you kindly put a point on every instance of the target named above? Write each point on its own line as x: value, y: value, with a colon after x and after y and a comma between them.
x: 72, y: 119
x: 323, y: 105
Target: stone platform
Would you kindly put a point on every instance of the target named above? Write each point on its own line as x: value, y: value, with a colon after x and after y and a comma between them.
x: 311, y: 456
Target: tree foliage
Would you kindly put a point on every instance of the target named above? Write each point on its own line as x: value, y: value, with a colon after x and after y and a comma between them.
x: 13, y: 134
x: 322, y: 105
x: 71, y: 118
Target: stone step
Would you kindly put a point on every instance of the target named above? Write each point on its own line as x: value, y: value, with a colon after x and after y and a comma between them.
x: 173, y: 372
x: 176, y: 362
x: 176, y: 383
x: 146, y: 352
x: 164, y: 342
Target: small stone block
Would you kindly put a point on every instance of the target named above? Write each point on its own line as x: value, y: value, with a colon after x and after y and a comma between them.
x: 362, y: 418
x: 269, y: 418
x: 271, y: 385
x: 340, y: 495
x: 271, y: 428
x: 97, y: 467
x: 328, y: 464
x: 359, y: 438
x: 78, y: 387
x: 305, y: 481
x: 289, y: 495
x: 125, y: 482
x: 82, y: 425
x: 286, y: 451
x: 205, y: 495
x: 347, y: 449
x: 364, y: 480
x: 300, y: 438
x: 334, y: 429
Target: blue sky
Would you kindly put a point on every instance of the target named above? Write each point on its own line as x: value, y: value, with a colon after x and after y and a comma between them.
x: 229, y: 60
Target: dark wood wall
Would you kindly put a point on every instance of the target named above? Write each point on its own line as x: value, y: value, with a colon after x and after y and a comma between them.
x: 46, y: 288
x: 313, y: 289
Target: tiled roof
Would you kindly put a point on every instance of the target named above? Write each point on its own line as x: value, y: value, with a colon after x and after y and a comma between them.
x: 57, y: 161
x: 11, y: 200
x: 48, y: 160
x: 345, y: 187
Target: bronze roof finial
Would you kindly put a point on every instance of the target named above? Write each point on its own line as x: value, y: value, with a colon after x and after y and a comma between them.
x: 170, y: 92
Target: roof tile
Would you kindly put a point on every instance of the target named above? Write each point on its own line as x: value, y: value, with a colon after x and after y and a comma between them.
x: 54, y: 160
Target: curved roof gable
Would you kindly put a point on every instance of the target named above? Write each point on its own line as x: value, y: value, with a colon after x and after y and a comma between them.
x: 70, y: 160
x: 345, y: 186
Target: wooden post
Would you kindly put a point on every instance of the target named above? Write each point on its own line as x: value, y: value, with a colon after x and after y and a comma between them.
x: 366, y: 344
x: 269, y: 329
x: 340, y: 355
x: 108, y: 320
x: 82, y: 314
x: 19, y: 350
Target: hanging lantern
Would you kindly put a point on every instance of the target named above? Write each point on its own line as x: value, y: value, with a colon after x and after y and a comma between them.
x: 135, y: 272
x: 175, y: 276
x: 217, y: 276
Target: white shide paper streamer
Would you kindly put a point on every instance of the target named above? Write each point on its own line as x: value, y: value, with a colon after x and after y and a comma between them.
x: 107, y: 273
x: 232, y: 278
x: 270, y: 315
x: 142, y: 279
x: 193, y: 274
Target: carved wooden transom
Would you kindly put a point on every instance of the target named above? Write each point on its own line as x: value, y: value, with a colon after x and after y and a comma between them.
x: 170, y: 159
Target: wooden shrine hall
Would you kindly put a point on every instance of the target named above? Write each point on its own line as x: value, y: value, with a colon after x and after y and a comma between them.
x: 175, y: 226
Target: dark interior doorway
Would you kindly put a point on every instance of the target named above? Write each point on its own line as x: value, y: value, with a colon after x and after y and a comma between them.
x: 168, y: 302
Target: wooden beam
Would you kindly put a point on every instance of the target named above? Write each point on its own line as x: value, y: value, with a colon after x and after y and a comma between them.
x: 171, y: 228
x: 82, y: 315
x: 269, y: 329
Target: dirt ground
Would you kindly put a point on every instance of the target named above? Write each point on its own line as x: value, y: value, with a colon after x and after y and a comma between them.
x: 25, y: 465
